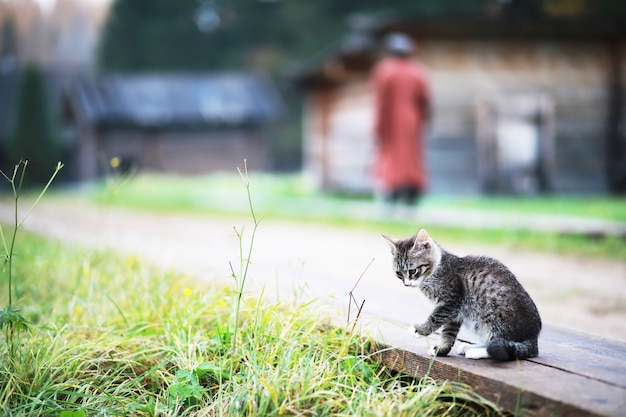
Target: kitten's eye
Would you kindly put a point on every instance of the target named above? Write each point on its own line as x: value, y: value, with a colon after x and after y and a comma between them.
x: 412, y: 272
x: 399, y: 274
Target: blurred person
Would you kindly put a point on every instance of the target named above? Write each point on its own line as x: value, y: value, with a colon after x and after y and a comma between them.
x: 402, y: 110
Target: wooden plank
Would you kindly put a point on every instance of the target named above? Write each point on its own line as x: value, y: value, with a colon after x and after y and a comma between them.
x: 569, y: 378
x: 586, y: 355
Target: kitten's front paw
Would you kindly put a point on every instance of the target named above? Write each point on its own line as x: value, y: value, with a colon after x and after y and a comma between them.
x: 438, y: 351
x: 412, y: 331
x: 477, y: 353
x: 418, y: 330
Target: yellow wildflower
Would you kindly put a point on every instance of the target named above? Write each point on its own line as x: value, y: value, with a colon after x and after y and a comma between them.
x: 131, y: 261
x: 86, y: 270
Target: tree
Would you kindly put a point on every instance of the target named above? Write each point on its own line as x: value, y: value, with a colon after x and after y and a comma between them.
x: 154, y: 34
x: 33, y: 137
x: 227, y: 34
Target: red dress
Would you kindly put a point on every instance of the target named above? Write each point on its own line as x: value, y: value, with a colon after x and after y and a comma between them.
x: 402, y: 106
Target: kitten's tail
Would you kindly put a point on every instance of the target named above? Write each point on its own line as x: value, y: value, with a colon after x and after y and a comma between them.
x: 505, y: 350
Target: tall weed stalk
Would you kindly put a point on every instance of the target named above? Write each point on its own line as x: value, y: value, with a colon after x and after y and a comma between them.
x: 244, y: 258
x: 10, y: 318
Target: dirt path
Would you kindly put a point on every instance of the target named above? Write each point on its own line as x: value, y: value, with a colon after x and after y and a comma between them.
x: 325, y: 262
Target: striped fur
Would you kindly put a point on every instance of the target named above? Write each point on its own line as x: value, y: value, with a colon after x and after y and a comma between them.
x: 476, y: 291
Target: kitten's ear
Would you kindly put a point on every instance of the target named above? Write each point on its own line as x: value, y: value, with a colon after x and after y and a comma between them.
x: 392, y: 244
x: 422, y: 240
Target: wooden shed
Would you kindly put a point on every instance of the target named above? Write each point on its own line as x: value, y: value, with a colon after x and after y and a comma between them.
x: 520, y: 106
x: 176, y: 123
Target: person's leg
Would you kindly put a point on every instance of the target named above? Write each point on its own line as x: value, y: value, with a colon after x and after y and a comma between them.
x: 395, y: 195
x: 412, y: 195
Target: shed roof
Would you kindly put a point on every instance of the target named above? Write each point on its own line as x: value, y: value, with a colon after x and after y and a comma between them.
x: 175, y: 100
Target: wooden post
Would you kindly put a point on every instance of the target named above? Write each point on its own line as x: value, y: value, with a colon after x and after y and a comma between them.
x: 616, y: 132
x: 324, y: 103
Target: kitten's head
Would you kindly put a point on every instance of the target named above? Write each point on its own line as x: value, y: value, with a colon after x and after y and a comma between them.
x: 414, y: 258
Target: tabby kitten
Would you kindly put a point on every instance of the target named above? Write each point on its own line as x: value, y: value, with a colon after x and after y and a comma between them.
x: 479, y: 292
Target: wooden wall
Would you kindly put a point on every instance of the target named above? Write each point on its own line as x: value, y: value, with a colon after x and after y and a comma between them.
x: 186, y: 153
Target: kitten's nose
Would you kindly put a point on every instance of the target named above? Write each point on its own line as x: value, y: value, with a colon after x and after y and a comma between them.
x: 407, y: 282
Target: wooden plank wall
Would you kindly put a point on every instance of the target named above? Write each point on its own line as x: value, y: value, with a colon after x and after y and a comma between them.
x: 573, y: 74
x: 188, y: 153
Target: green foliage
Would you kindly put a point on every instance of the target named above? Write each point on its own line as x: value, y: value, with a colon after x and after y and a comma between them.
x: 185, y: 389
x: 11, y: 321
x: 11, y: 316
x: 34, y: 138
x: 221, y: 34
x: 153, y: 34
x: 271, y: 35
x: 77, y: 413
x: 113, y: 336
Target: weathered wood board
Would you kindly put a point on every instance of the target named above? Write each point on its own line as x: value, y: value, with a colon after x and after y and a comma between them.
x: 574, y: 375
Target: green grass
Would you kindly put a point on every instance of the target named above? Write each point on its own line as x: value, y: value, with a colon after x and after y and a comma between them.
x: 292, y: 197
x: 113, y: 336
x: 594, y: 207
